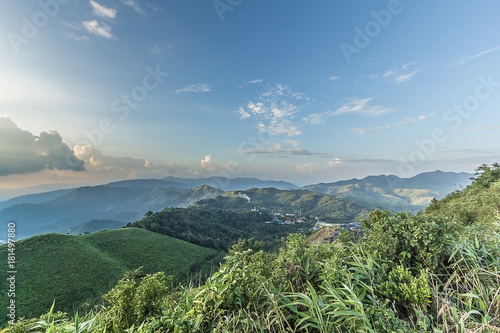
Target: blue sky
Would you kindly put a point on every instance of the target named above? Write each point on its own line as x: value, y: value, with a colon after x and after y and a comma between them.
x: 94, y: 91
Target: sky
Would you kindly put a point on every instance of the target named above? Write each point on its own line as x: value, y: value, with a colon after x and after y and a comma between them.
x: 93, y: 91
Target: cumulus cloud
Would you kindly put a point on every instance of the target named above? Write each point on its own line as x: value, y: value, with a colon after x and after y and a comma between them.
x: 361, y: 107
x: 275, y: 111
x: 97, y: 29
x: 22, y: 152
x: 102, y: 11
x: 207, y: 164
x: 99, y: 164
x: 201, y: 87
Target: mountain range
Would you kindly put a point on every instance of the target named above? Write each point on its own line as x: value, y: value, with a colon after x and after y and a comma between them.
x: 394, y: 193
x: 91, y: 208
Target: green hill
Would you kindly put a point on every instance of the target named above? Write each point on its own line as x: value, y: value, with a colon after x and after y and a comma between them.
x: 219, y: 228
x: 75, y: 269
x: 478, y: 202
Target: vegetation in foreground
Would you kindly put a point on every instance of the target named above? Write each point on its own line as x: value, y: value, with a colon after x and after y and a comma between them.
x: 430, y: 272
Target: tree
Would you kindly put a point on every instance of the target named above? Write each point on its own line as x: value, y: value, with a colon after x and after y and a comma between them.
x: 485, y: 175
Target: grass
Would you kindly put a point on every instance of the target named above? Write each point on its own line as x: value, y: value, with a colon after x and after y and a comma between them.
x: 73, y: 270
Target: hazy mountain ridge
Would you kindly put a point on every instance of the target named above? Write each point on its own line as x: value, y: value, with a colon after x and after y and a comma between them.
x: 121, y: 204
x: 395, y: 193
x: 127, y: 201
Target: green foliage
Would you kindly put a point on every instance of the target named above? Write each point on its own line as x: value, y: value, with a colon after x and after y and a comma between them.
x: 328, y: 208
x: 218, y: 228
x: 132, y: 302
x: 417, y: 242
x: 477, y: 203
x: 486, y: 175
x: 404, y: 288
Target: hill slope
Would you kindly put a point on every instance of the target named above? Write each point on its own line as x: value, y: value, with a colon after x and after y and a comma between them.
x: 394, y: 193
x: 75, y: 269
x: 218, y: 228
x: 477, y: 203
x: 307, y: 203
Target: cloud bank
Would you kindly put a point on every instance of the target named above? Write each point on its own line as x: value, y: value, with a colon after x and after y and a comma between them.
x: 22, y: 152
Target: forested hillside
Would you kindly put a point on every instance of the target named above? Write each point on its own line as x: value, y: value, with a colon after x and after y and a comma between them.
x: 218, y: 228
x: 309, y: 204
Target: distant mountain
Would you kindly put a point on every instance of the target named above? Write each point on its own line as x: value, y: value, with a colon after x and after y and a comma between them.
x: 231, y: 184
x: 71, y: 270
x: 33, y: 198
x: 66, y: 213
x: 304, y: 202
x: 395, y: 193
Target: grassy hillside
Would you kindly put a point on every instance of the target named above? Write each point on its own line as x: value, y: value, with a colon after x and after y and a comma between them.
x: 75, y: 269
x: 477, y: 203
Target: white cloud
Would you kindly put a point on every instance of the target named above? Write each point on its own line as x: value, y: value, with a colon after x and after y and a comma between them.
x: 400, y: 75
x: 95, y: 28
x: 319, y: 167
x: 76, y: 37
x: 276, y: 149
x: 201, y: 87
x: 465, y: 60
x: 401, y: 123
x: 244, y: 114
x: 361, y: 107
x: 315, y: 119
x: 99, y: 164
x: 275, y: 110
x: 333, y: 78
x: 255, y: 81
x: 134, y: 5
x: 102, y: 11
x: 206, y: 163
x: 480, y: 128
